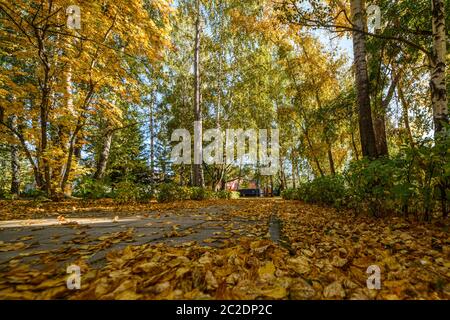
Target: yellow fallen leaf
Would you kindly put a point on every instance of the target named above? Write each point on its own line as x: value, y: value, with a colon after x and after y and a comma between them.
x: 299, y: 264
x: 334, y: 290
x: 12, y: 246
x: 267, y: 271
x: 275, y: 293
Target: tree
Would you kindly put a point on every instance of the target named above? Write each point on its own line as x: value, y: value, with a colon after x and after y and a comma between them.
x: 198, y: 167
x: 67, y: 76
x: 366, y: 131
x: 439, y: 66
x: 15, y: 161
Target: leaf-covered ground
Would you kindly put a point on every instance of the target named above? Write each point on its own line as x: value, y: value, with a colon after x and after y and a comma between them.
x: 322, y: 254
x: 29, y: 209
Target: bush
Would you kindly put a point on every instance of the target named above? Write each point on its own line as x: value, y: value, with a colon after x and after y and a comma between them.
x: 34, y: 193
x: 233, y: 195
x: 413, y: 181
x: 185, y: 193
x: 6, y: 195
x: 89, y: 188
x: 371, y: 184
x: 290, y: 194
x: 416, y: 181
x: 199, y: 193
x: 168, y: 192
x: 127, y: 192
x: 227, y: 194
x: 328, y: 190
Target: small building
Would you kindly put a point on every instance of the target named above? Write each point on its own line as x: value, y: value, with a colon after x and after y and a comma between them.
x: 248, y: 188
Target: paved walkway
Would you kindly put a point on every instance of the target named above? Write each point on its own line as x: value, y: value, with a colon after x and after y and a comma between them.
x: 27, y: 240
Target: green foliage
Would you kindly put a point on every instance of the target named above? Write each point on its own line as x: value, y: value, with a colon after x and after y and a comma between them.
x: 290, y: 194
x: 127, y: 192
x: 202, y: 194
x: 185, y: 193
x: 6, y: 195
x: 169, y: 192
x: 227, y: 194
x: 34, y: 194
x: 234, y: 195
x: 328, y: 190
x: 89, y: 188
x: 371, y: 183
x: 121, y: 192
x: 414, y: 181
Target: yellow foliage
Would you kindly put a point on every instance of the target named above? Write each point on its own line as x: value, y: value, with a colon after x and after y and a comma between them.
x: 68, y: 75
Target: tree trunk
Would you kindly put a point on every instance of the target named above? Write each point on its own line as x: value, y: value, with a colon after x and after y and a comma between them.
x: 316, y: 160
x: 331, y: 161
x: 438, y: 65
x: 319, y: 105
x: 438, y: 85
x: 405, y: 115
x: 380, y: 118
x: 15, y: 170
x: 77, y: 151
x: 220, y: 167
x: 294, y: 172
x: 355, y: 149
x: 104, y: 156
x: 43, y: 150
x: 15, y: 163
x: 182, y: 175
x: 366, y: 131
x: 271, y: 185
x: 238, y: 185
x: 65, y: 188
x: 62, y: 137
x: 152, y: 139
x: 379, y: 126
x: 198, y: 168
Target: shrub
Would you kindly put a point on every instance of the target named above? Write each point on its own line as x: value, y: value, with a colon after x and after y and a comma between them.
x: 234, y: 195
x: 413, y: 181
x: 199, y: 193
x: 6, y: 195
x: 185, y: 193
x: 168, y: 192
x: 375, y: 184
x: 223, y: 194
x: 290, y: 194
x: 328, y: 190
x: 89, y: 188
x: 35, y: 194
x: 127, y: 192
x: 227, y: 194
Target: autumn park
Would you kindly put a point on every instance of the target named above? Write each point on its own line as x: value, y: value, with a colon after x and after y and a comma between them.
x: 224, y: 150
